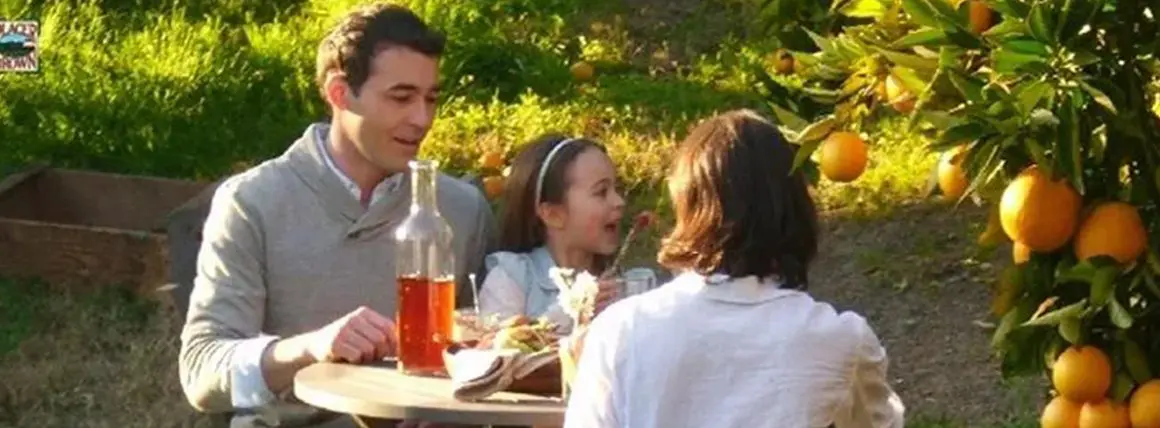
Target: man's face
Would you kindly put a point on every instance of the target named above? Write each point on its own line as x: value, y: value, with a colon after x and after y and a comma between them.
x: 394, y: 109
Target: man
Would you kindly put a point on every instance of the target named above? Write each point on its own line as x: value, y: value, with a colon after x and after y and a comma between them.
x: 296, y: 263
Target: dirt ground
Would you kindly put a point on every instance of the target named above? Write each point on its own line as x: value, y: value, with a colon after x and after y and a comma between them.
x: 919, y: 280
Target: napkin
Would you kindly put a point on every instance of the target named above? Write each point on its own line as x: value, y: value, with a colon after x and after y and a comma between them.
x: 478, y: 373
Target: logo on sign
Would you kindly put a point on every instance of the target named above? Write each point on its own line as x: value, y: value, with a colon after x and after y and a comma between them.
x: 18, y: 48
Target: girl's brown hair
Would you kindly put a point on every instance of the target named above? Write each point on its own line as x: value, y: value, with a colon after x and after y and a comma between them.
x: 522, y: 230
x: 739, y: 210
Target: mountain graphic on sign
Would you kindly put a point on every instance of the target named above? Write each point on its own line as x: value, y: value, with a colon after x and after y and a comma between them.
x: 15, y: 45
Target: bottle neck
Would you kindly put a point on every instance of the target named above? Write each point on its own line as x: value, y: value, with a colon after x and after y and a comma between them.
x: 423, y: 185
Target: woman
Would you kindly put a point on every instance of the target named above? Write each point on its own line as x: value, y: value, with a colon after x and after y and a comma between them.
x: 733, y: 340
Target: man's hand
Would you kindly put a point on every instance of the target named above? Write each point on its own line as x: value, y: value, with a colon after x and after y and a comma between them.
x: 607, y: 293
x: 360, y: 336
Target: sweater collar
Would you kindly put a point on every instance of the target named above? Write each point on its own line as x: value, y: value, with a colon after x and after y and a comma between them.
x: 308, y: 159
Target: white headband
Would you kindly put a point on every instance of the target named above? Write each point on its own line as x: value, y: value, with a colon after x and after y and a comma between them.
x: 547, y: 163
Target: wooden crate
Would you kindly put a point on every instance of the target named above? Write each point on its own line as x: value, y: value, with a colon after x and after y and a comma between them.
x: 83, y: 229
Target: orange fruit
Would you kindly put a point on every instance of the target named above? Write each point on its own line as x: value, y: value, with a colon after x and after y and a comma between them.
x: 1020, y: 253
x: 898, y: 96
x: 1060, y: 413
x: 491, y: 160
x: 583, y: 71
x: 1144, y: 406
x: 493, y: 186
x: 1039, y: 212
x: 952, y: 180
x: 1082, y: 374
x: 1104, y: 414
x: 1112, y: 229
x: 783, y: 62
x: 843, y: 156
x: 980, y: 16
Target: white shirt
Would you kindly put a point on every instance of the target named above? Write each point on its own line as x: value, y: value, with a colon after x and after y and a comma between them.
x: 249, y: 388
x: 715, y: 352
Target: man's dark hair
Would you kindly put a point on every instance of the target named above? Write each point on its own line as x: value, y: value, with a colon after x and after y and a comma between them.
x: 740, y: 210
x: 366, y: 31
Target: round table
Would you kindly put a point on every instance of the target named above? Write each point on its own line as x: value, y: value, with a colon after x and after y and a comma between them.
x: 379, y: 392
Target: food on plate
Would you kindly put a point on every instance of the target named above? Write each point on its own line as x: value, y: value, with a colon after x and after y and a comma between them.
x: 521, y: 333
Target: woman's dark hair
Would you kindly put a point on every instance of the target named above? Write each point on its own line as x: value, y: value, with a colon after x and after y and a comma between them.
x: 522, y: 230
x: 739, y: 210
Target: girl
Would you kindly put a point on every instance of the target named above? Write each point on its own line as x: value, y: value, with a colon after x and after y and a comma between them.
x: 562, y: 209
x: 733, y: 340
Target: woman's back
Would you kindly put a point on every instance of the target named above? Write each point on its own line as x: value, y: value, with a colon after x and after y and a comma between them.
x: 736, y: 353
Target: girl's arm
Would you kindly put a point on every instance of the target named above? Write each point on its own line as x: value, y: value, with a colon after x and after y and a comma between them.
x: 501, y: 295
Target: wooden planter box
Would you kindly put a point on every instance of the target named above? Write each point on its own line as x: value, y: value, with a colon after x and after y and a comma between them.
x: 82, y: 228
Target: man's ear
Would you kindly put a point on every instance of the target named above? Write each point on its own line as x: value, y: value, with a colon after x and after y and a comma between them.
x: 338, y: 92
x: 552, y: 215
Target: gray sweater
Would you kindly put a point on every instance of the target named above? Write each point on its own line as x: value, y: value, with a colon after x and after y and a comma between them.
x: 287, y: 249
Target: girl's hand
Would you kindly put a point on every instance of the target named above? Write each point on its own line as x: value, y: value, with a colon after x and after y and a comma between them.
x: 608, y: 293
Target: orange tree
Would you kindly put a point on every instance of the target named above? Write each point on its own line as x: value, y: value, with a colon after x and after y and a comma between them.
x: 1043, y: 110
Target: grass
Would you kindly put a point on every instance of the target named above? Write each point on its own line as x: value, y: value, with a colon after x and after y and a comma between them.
x: 193, y: 89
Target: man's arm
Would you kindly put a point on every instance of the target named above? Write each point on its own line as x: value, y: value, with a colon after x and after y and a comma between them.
x: 225, y: 361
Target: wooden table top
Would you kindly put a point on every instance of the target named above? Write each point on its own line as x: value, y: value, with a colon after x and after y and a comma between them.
x: 380, y: 391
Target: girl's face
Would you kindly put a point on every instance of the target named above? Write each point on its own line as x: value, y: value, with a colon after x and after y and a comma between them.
x: 590, y: 218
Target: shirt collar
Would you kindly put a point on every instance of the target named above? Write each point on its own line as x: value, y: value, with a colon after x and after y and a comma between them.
x: 389, y: 185
x: 748, y: 290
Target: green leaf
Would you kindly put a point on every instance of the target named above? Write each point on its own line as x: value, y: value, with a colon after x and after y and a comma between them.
x: 1009, y: 62
x: 1071, y: 329
x: 787, y: 118
x: 1007, y: 28
x: 959, y: 134
x: 1098, y: 96
x: 1136, y: 361
x: 864, y: 9
x: 1083, y: 272
x: 1010, y: 9
x: 803, y: 153
x: 910, y: 61
x: 963, y: 38
x: 1103, y: 283
x: 923, y: 37
x: 921, y: 12
x: 909, y: 79
x: 1084, y: 58
x: 1119, y: 316
x: 969, y: 86
x: 1068, y: 144
x: 1042, y: 24
x: 1074, y: 310
x: 817, y: 130
x: 1026, y: 46
x: 1031, y: 93
x: 1122, y: 386
x: 1038, y: 154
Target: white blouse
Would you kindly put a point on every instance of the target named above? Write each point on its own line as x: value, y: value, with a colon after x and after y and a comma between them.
x: 701, y: 352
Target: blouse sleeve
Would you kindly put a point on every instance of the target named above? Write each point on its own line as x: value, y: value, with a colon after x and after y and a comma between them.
x: 500, y: 293
x: 872, y: 403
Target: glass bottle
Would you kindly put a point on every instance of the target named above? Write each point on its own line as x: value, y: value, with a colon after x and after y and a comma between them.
x: 425, y: 277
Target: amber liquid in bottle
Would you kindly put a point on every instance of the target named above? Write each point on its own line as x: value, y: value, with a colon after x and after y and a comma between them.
x: 426, y: 321
x: 424, y: 278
